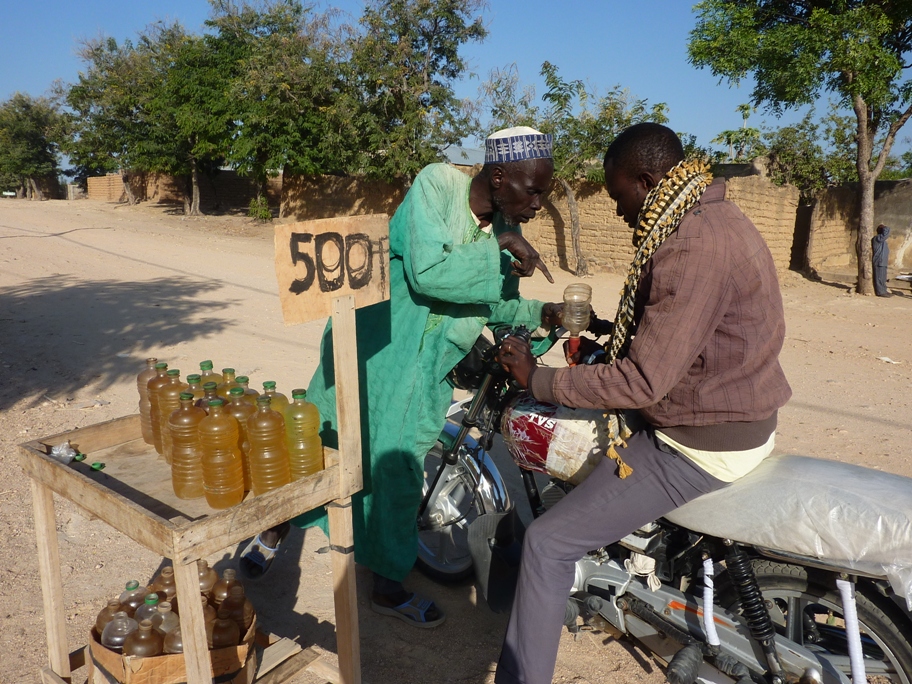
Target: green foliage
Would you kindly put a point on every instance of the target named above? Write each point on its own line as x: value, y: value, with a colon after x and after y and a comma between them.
x: 104, y: 122
x: 797, y: 49
x: 259, y: 209
x: 29, y: 129
x: 282, y: 78
x: 404, y: 62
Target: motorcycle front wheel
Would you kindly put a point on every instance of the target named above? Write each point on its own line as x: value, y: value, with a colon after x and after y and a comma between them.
x: 810, y: 613
x: 443, y: 545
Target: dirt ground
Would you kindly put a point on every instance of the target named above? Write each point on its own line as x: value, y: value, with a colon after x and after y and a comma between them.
x: 89, y: 290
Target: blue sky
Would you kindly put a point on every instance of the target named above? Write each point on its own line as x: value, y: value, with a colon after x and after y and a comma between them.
x: 638, y: 45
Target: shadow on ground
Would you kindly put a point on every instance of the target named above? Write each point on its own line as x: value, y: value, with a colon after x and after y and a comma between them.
x: 59, y: 336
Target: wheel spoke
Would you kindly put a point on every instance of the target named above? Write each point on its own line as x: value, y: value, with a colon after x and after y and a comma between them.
x: 794, y: 619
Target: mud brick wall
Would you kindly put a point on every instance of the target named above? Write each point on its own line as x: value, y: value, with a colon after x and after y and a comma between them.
x: 605, y: 239
x: 772, y: 209
x: 834, y: 225
x: 106, y: 188
x: 305, y: 197
x: 226, y: 189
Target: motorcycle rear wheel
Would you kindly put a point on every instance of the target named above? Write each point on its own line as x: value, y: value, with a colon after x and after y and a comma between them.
x: 443, y: 549
x: 810, y: 613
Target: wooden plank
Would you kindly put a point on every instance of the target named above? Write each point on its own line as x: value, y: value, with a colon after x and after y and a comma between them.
x: 192, y: 624
x: 324, y: 669
x: 276, y: 654
x: 78, y: 658
x: 348, y: 407
x: 290, y: 667
x: 220, y: 530
x: 120, y: 513
x: 95, y: 437
x: 51, y: 579
x: 345, y: 594
x: 48, y: 676
x: 318, y: 260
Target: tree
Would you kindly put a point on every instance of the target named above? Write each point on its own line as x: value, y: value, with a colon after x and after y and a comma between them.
x: 28, y: 142
x: 404, y: 62
x: 797, y: 48
x: 280, y: 65
x: 583, y: 125
x: 742, y: 141
x: 105, y: 123
x: 185, y: 108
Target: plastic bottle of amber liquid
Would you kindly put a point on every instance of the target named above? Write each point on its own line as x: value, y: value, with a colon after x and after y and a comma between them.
x: 168, y: 403
x: 209, y: 393
x: 250, y: 394
x: 223, y: 470
x: 145, y: 406
x: 207, y: 374
x: 242, y: 410
x: 228, y: 381
x: 145, y: 641
x: 186, y: 449
x: 161, y: 378
x: 269, y: 466
x: 279, y: 400
x: 302, y: 430
x: 223, y: 631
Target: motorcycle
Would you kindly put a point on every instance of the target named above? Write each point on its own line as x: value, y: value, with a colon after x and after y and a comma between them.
x: 800, y: 571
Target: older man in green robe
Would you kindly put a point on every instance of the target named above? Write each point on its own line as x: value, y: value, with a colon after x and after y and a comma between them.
x: 456, y: 252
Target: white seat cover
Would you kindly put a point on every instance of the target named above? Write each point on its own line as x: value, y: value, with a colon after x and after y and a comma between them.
x: 854, y: 517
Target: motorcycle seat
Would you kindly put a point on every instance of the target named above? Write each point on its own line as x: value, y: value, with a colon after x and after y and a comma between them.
x: 845, y: 515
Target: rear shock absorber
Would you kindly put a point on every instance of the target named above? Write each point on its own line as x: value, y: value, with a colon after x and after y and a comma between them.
x: 753, y: 607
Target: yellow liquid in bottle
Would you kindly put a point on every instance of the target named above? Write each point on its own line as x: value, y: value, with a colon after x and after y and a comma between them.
x: 223, y: 472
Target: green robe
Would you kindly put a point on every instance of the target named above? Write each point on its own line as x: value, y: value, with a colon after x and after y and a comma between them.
x: 448, y: 279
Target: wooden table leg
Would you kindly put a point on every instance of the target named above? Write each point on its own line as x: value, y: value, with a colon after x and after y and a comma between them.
x: 51, y: 581
x: 193, y: 627
x: 345, y: 595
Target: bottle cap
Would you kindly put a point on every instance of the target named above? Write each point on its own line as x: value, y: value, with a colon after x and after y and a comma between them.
x: 161, y: 366
x: 209, y: 386
x: 186, y: 396
x: 216, y: 402
x: 173, y: 371
x: 194, y: 378
x: 242, y: 379
x: 299, y: 394
x: 227, y: 370
x: 206, y: 365
x: 79, y: 457
x: 236, y: 391
x: 151, y: 599
x: 132, y: 584
x: 269, y: 384
x: 97, y: 466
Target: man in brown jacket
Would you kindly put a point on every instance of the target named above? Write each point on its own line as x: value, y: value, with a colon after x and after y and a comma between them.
x: 695, y: 350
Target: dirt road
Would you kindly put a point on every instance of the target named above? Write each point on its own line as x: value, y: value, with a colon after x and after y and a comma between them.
x: 88, y: 290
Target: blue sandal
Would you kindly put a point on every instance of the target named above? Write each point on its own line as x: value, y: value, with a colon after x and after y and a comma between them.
x: 414, y: 612
x: 256, y: 558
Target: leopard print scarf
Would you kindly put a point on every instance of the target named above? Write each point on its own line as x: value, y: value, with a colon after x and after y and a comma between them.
x: 664, y: 207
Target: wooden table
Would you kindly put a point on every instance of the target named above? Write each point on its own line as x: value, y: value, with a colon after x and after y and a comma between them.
x: 133, y: 494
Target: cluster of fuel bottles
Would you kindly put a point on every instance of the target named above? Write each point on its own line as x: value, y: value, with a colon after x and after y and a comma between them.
x: 143, y: 620
x: 222, y: 438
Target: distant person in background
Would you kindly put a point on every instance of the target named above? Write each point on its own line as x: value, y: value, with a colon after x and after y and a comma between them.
x: 880, y: 257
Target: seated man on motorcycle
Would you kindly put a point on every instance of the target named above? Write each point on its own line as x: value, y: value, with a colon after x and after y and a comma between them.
x: 456, y: 252
x: 695, y: 349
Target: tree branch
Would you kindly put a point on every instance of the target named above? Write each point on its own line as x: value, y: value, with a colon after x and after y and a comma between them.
x: 888, y: 141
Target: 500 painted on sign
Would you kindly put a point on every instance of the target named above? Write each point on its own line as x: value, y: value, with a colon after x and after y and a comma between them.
x: 317, y: 261
x: 336, y: 259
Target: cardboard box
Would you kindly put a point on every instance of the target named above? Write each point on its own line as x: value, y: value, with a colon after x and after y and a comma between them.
x: 235, y: 665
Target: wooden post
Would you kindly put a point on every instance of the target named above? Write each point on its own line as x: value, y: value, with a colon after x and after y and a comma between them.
x: 348, y: 406
x: 193, y: 627
x: 345, y: 595
x: 341, y: 533
x: 51, y: 580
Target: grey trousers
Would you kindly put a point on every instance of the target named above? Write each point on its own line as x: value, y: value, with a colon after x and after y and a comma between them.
x: 602, y: 510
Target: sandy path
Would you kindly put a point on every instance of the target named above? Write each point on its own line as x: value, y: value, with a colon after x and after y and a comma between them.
x: 88, y: 290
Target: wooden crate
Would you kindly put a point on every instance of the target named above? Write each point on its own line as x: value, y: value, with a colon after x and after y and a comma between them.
x: 228, y: 664
x: 133, y: 494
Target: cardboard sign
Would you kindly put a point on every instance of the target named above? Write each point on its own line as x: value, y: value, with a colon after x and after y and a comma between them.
x: 317, y: 261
